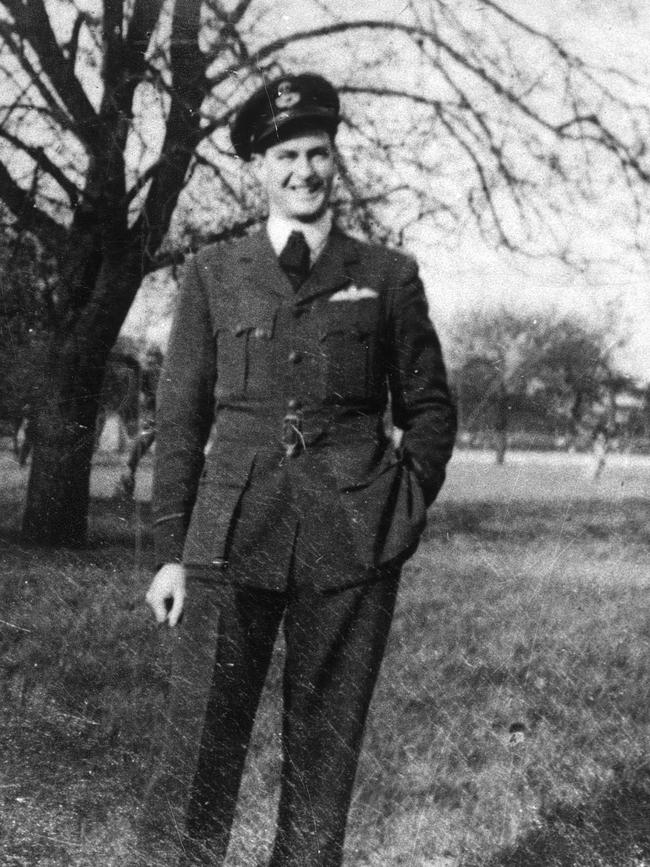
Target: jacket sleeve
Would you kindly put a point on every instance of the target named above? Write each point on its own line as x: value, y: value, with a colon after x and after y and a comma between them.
x: 184, y: 413
x: 421, y: 402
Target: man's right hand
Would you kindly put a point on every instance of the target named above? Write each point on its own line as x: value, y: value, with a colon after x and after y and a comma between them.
x: 167, y: 589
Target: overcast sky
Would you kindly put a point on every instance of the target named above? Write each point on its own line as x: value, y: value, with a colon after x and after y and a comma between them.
x: 614, y: 33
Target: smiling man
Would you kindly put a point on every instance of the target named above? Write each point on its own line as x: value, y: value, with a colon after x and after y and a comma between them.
x: 278, y: 496
x: 298, y: 175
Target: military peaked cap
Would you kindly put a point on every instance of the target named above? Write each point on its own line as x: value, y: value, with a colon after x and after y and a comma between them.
x: 269, y: 114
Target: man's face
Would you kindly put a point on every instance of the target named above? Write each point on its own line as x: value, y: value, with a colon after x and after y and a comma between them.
x: 297, y: 175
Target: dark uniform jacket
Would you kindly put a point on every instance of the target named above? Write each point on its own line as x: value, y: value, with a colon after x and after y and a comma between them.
x: 257, y: 374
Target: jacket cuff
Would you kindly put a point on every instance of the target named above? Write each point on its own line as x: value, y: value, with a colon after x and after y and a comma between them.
x: 169, y: 539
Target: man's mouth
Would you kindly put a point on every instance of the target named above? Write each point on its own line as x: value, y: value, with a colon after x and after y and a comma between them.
x: 307, y: 189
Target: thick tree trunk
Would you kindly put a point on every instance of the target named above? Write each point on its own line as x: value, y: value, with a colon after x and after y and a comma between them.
x: 69, y: 394
x: 56, y: 510
x: 56, y: 507
x: 67, y: 404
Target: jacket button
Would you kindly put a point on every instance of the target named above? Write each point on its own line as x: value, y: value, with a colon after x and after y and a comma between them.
x: 295, y: 357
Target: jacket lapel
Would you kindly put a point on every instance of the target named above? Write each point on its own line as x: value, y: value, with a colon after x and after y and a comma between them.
x: 331, y: 270
x: 259, y: 269
x: 260, y: 274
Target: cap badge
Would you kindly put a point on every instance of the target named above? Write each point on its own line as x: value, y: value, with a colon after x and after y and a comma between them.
x: 287, y: 97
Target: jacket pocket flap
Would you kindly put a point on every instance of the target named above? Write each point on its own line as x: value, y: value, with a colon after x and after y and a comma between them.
x: 254, y: 316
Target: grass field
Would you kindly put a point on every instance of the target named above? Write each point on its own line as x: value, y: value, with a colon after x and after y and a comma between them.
x: 510, y: 727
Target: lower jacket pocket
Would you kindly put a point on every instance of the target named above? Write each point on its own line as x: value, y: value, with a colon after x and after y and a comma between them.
x: 387, y: 514
x: 214, y: 513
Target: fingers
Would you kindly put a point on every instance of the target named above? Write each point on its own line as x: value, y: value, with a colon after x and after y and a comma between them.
x: 156, y: 601
x: 166, y: 595
x: 159, y: 609
x: 176, y: 609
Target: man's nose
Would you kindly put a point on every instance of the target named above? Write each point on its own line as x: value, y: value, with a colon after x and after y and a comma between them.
x: 303, y: 167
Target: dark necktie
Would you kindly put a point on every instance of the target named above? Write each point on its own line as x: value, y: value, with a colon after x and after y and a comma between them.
x: 295, y: 259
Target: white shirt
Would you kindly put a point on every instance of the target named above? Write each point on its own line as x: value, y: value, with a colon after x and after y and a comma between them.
x: 316, y: 233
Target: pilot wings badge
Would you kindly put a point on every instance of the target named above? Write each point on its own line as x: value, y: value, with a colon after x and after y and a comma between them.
x: 354, y: 293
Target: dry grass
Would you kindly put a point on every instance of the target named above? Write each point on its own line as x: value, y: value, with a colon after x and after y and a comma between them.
x: 509, y: 727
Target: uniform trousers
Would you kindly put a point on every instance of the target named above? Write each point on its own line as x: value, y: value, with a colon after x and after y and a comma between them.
x: 335, y: 641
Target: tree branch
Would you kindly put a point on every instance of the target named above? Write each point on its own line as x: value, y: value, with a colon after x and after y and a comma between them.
x: 72, y: 46
x: 374, y: 90
x: 239, y: 11
x: 503, y: 238
x: 34, y: 26
x: 182, y: 132
x: 27, y: 215
x: 418, y: 34
x: 51, y: 100
x: 141, y: 27
x: 142, y: 181
x: 44, y: 162
x: 167, y: 258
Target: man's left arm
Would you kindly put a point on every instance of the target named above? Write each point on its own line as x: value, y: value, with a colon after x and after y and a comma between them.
x: 421, y: 402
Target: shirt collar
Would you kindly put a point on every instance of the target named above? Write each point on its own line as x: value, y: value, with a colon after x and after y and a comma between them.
x: 316, y: 233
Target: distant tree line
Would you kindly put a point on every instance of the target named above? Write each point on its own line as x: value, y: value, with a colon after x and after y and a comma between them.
x: 542, y: 378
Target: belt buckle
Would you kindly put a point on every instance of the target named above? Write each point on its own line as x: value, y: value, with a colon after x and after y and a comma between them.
x: 292, y: 438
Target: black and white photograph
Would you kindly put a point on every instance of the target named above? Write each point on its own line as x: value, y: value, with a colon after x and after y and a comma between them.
x: 324, y: 433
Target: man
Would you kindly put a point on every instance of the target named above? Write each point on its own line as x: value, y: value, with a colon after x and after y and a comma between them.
x: 285, y: 349
x: 146, y: 434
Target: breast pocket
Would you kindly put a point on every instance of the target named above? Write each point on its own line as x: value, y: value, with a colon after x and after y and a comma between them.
x: 244, y: 355
x: 348, y: 341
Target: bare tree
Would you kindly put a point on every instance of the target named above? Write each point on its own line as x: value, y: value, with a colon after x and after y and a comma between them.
x: 113, y: 119
x: 502, y: 360
x: 578, y: 371
x: 495, y: 361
